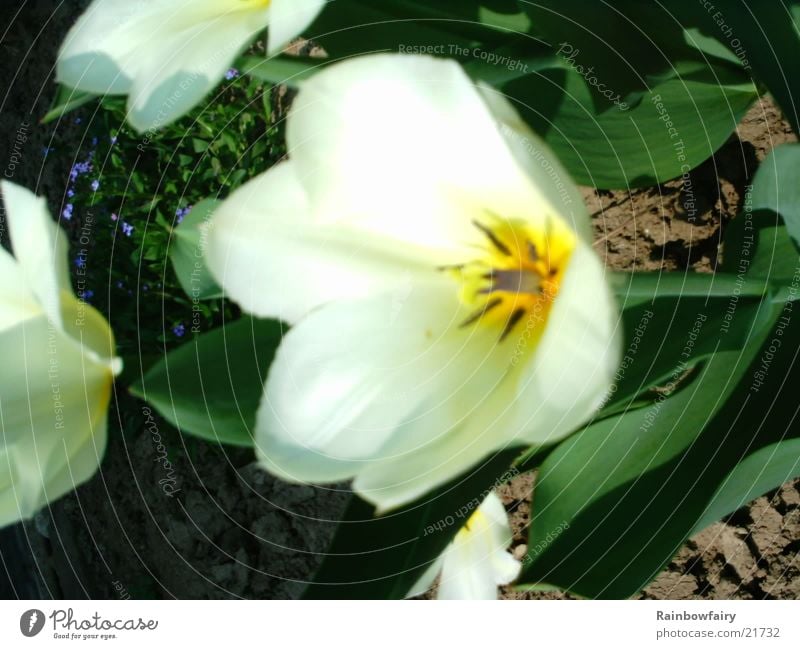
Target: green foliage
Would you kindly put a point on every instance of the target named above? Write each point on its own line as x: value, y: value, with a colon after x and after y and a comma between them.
x: 633, y: 485
x: 211, y: 386
x: 627, y: 94
x: 128, y: 193
x: 188, y: 254
x: 383, y: 557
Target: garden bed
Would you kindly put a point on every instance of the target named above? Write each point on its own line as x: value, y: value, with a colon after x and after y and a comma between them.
x: 225, y: 529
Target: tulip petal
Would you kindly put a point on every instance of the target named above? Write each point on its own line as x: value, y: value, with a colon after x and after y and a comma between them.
x: 540, y: 163
x: 40, y: 249
x: 167, y: 54
x: 46, y: 394
x: 446, y: 455
x: 476, y: 562
x: 572, y: 368
x: 288, y: 19
x: 274, y: 259
x: 18, y: 302
x: 368, y: 382
x: 406, y: 147
x: 49, y: 408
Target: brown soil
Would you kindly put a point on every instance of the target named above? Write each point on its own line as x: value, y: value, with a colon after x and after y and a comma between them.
x: 232, y: 531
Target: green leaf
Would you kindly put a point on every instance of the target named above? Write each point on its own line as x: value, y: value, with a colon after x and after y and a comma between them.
x: 777, y: 187
x: 633, y: 487
x: 758, y: 245
x: 66, y: 100
x: 450, y: 28
x: 674, y: 127
x: 667, y: 337
x: 635, y: 100
x: 211, y: 386
x: 766, y: 469
x: 382, y: 558
x: 764, y: 34
x: 278, y: 70
x: 188, y: 253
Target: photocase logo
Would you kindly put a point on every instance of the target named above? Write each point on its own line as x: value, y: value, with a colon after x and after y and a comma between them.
x: 31, y: 622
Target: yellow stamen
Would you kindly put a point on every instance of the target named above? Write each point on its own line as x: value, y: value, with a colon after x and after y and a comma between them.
x: 517, y: 275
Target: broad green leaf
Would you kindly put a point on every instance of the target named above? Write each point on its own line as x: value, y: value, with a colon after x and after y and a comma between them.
x: 286, y: 70
x: 766, y: 469
x: 758, y: 242
x: 211, y: 386
x: 451, y: 28
x: 632, y: 487
x: 624, y: 43
x: 777, y: 187
x: 382, y: 557
x: 187, y: 253
x: 673, y: 128
x: 764, y: 34
x: 635, y: 485
x: 66, y: 100
x: 667, y: 337
x: 642, y: 96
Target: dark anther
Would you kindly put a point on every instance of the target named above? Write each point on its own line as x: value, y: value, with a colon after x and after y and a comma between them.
x: 477, y: 315
x: 503, y: 248
x: 513, y: 319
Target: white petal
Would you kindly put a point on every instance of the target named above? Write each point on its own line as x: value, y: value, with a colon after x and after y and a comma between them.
x: 505, y: 568
x: 573, y: 367
x: 17, y: 302
x: 288, y: 19
x: 467, y: 572
x: 74, y: 463
x: 52, y: 404
x: 444, y: 456
x: 497, y: 520
x: 40, y: 248
x: 272, y: 257
x: 167, y: 53
x: 364, y: 384
x: 540, y: 163
x: 406, y: 147
x: 476, y: 562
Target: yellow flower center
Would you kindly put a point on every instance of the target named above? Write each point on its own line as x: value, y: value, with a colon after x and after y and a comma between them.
x: 515, y: 279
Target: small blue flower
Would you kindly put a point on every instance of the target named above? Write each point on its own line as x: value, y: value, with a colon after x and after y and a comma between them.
x: 127, y: 229
x: 67, y: 213
x: 120, y: 284
x: 113, y: 139
x: 179, y: 330
x: 87, y: 295
x: 95, y: 185
x: 80, y: 261
x: 94, y: 141
x: 232, y: 73
x: 181, y: 213
x: 78, y: 120
x: 70, y: 193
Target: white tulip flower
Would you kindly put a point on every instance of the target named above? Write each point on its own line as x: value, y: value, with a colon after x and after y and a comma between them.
x: 58, y: 366
x: 477, y: 561
x: 435, y: 262
x: 167, y: 55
